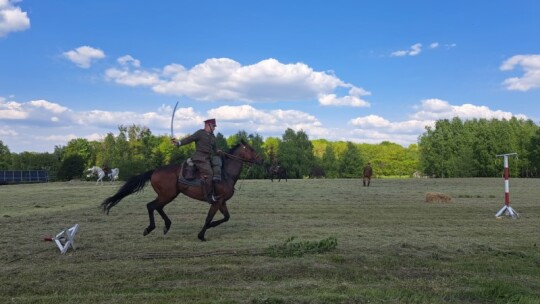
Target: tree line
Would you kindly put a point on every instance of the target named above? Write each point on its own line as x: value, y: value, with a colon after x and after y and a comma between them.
x: 135, y: 150
x: 451, y: 148
x: 457, y: 148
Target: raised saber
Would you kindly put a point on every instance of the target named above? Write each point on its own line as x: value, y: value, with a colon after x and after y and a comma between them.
x: 172, y: 119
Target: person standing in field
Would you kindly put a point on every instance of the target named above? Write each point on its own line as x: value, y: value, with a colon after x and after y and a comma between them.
x: 368, y: 172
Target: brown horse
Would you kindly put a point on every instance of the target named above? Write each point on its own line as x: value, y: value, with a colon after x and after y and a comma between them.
x: 278, y: 172
x: 164, y: 180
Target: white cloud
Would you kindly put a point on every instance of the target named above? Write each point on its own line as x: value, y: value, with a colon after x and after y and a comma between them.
x: 370, y: 121
x: 35, y: 110
x: 530, y: 80
x: 84, y: 56
x: 374, y: 128
x: 132, y: 79
x: 7, y: 131
x: 434, y: 109
x: 416, y: 49
x: 263, y: 121
x: 59, y: 138
x: 40, y: 125
x: 353, y: 99
x: 375, y: 122
x: 11, y: 110
x: 127, y: 59
x: 224, y: 79
x: 12, y: 18
x: 413, y: 51
x: 333, y: 100
x: 53, y: 107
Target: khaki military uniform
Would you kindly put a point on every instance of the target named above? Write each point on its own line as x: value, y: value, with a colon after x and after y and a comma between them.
x: 205, y: 149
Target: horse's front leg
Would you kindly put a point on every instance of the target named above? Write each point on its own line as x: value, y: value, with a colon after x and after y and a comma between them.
x: 223, y: 209
x: 211, y: 212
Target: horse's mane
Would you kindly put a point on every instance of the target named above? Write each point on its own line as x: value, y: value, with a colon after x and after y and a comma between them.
x: 233, y: 149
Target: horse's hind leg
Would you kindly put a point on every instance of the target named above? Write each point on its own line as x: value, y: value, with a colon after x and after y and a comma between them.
x: 155, y: 205
x: 151, y: 207
x: 165, y: 218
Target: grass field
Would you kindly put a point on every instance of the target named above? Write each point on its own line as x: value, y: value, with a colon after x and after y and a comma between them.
x: 392, y: 247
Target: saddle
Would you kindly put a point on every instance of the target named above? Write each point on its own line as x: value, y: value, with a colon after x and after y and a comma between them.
x: 189, y: 174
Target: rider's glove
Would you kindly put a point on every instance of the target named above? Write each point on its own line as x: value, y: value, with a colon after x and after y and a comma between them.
x: 176, y: 142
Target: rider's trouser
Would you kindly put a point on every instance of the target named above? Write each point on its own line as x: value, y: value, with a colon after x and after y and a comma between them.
x: 203, y: 164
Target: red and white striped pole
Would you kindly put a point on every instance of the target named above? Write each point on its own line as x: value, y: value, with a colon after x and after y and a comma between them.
x: 507, y: 210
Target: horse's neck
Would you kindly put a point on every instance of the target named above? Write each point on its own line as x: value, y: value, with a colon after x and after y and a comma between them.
x: 233, y: 168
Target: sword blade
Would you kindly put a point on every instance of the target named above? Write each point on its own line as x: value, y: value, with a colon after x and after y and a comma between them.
x: 172, y: 119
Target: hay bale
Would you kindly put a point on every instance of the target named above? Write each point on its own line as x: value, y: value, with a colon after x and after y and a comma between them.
x: 437, y: 197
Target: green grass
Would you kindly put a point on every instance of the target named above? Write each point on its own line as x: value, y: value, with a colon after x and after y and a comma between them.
x: 301, y: 241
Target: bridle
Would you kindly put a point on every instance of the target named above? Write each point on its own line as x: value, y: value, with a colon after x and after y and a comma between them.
x: 245, y: 160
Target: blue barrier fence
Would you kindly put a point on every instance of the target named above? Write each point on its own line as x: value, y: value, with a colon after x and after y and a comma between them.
x: 23, y: 176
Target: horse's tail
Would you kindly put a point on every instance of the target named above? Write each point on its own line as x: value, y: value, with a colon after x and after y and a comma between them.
x: 132, y: 185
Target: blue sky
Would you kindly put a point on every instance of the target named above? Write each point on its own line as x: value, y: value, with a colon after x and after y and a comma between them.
x: 360, y: 71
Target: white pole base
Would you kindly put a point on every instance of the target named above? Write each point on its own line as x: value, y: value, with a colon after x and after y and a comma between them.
x: 66, y: 239
x: 508, y: 211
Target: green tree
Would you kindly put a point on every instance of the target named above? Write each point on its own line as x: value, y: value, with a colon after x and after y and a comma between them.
x: 72, y: 166
x: 462, y: 149
x: 121, y: 147
x: 329, y: 162
x: 351, y: 163
x: 236, y: 138
x: 5, y: 156
x: 106, y: 151
x: 221, y: 142
x: 83, y: 148
x: 254, y: 171
x: 296, y: 153
x: 534, y: 154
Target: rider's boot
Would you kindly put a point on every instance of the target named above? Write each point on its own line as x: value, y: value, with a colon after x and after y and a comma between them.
x: 208, y: 189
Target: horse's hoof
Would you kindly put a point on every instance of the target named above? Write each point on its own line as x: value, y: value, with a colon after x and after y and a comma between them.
x: 201, y: 238
x: 165, y: 230
x: 146, y: 231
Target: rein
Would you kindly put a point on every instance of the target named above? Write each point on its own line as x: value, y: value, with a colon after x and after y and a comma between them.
x: 234, y: 157
x: 238, y: 158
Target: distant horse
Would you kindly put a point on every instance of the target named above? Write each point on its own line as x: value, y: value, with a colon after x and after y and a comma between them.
x: 113, y: 176
x: 95, y: 170
x: 278, y: 172
x: 317, y: 172
x: 165, y: 181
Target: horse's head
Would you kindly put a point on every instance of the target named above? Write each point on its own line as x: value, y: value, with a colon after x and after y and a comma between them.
x: 246, y: 153
x: 91, y: 172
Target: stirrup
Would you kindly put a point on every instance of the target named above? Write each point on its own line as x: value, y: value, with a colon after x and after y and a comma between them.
x: 212, y: 197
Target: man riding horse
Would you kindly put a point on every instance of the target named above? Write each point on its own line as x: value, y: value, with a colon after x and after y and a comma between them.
x: 274, y: 167
x: 106, y: 169
x: 206, y: 157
